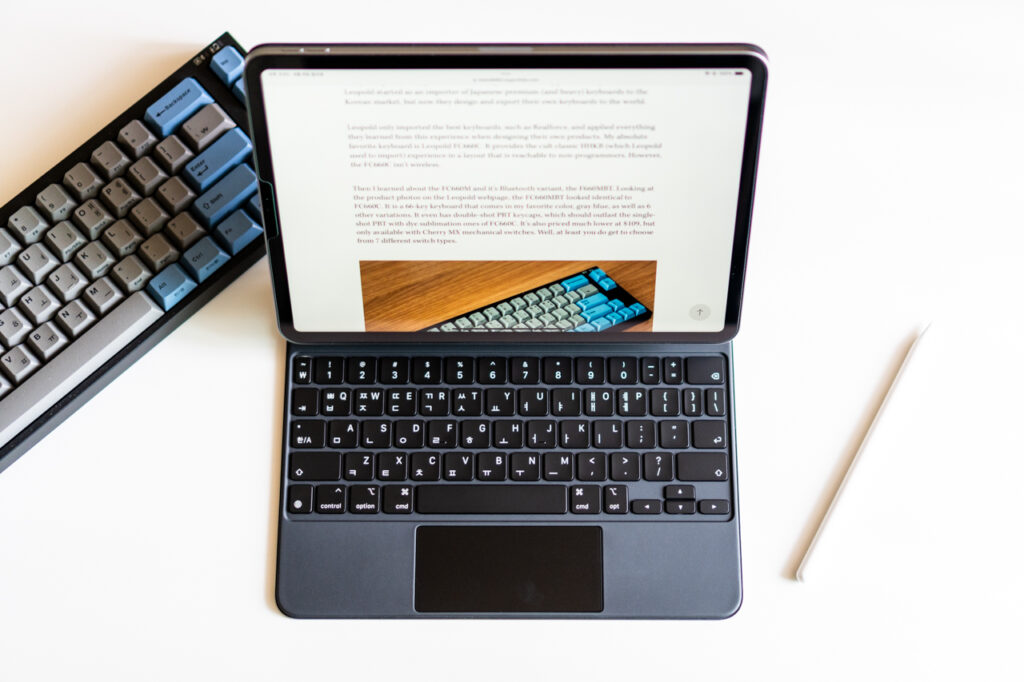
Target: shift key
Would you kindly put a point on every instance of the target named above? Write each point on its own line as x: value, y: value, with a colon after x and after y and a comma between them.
x: 228, y: 194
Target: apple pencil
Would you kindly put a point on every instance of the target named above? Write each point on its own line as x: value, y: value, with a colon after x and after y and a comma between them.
x: 800, y: 571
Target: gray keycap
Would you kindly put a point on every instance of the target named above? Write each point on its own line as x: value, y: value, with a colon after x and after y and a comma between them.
x: 136, y: 138
x: 55, y: 203
x: 206, y: 126
x: 27, y: 225
x: 531, y: 298
x: 131, y: 275
x: 564, y: 324
x: 75, y: 318
x: 93, y: 260
x: 504, y: 308
x: 508, y: 322
x: 9, y: 247
x: 102, y: 295
x: 5, y: 385
x: 67, y: 282
x: 493, y: 324
x: 521, y: 315
x: 548, y: 319
x: 38, y: 304
x: 547, y: 306
x: 13, y: 327
x: 110, y: 160
x: 157, y: 253
x: 556, y: 289
x: 80, y: 359
x: 518, y: 303
x: 18, y: 363
x: 463, y: 323
x: 587, y: 290
x: 149, y: 217
x: 83, y: 181
x: 12, y: 284
x: 572, y: 296
x: 63, y: 240
x: 121, y: 239
x: 146, y: 176
x: 449, y: 327
x: 175, y: 195
x: 543, y: 294
x: 491, y: 313
x: 576, y: 320
x: 119, y: 197
x: 560, y: 301
x: 572, y: 309
x: 534, y: 311
x: 477, y: 319
x: 37, y: 262
x: 184, y: 231
x: 172, y: 154
x: 91, y: 218
x: 46, y: 341
x: 534, y: 324
x: 560, y: 314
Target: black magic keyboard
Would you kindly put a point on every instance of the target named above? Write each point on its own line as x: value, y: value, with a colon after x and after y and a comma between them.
x: 585, y: 436
x: 122, y: 241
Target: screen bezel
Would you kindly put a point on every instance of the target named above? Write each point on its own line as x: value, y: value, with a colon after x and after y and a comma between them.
x: 266, y: 57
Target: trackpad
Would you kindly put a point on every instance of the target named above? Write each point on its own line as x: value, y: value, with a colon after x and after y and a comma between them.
x: 509, y: 569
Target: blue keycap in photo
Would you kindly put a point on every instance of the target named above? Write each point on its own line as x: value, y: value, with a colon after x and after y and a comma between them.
x: 638, y: 308
x: 614, y: 318
x: 601, y: 323
x: 253, y: 207
x: 616, y: 304
x: 228, y: 64
x: 238, y: 90
x: 203, y: 259
x: 591, y: 301
x: 594, y: 313
x: 584, y: 328
x: 228, y: 151
x: 229, y: 193
x: 607, y: 284
x: 236, y: 231
x: 170, y: 286
x: 597, y: 274
x: 574, y: 283
x: 627, y: 314
x: 171, y: 110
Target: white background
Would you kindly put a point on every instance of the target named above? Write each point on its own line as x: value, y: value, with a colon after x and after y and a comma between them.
x: 137, y: 541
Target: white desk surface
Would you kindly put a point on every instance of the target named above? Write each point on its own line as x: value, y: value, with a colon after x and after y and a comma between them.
x: 137, y: 540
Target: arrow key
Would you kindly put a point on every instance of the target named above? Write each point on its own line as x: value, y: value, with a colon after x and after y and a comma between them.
x: 713, y: 506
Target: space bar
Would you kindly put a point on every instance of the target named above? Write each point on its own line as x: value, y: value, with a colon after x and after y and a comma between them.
x: 491, y: 499
x: 75, y: 363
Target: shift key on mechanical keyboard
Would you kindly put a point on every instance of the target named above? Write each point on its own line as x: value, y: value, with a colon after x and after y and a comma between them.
x: 491, y: 499
x: 227, y: 195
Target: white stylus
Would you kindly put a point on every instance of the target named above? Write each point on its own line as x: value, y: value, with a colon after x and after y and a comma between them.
x: 853, y: 462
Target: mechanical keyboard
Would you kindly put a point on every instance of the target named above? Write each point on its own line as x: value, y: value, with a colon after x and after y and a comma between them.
x: 624, y: 436
x: 122, y: 241
x: 588, y: 301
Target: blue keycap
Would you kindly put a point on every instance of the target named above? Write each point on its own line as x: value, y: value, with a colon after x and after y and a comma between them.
x: 594, y: 313
x: 203, y: 258
x: 171, y: 110
x: 607, y: 284
x: 584, y: 328
x: 170, y: 286
x: 228, y: 64
x: 592, y: 301
x: 238, y: 90
x: 228, y: 151
x: 638, y: 308
x: 253, y: 208
x: 616, y: 304
x: 228, y: 194
x: 236, y: 231
x: 597, y: 274
x: 574, y: 283
x: 627, y: 314
x: 601, y: 323
x: 614, y: 318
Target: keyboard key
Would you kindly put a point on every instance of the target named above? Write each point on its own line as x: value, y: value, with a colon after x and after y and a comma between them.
x: 713, y: 506
x: 131, y: 275
x: 91, y: 218
x: 680, y: 506
x: 13, y: 283
x: 625, y: 466
x: 693, y: 403
x: 657, y: 466
x: 314, y: 466
x: 424, y: 466
x: 157, y: 253
x: 228, y: 194
x: 458, y: 371
x: 361, y: 370
x: 394, y: 370
x: 228, y: 151
x: 302, y: 371
x: 170, y: 286
x: 358, y: 465
x: 205, y: 126
x: 714, y: 399
x: 136, y: 138
x: 171, y: 110
x: 709, y: 434
x: 702, y: 466
x: 14, y: 327
x: 646, y: 506
x: 175, y: 195
x: 491, y: 499
x: 491, y: 466
x: 202, y: 259
x: 640, y: 434
x: 238, y: 90
x: 227, y: 64
x: 18, y: 364
x: 237, y: 231
x: 585, y: 499
x: 364, y: 499
x: 75, y: 318
x: 524, y: 466
x: 673, y: 434
x: 680, y: 492
x: 184, y: 231
x: 67, y: 282
x: 307, y: 433
x: 591, y: 466
x: 493, y: 371
x: 330, y: 499
x: 63, y: 241
x: 557, y: 466
x: 55, y: 203
x: 622, y: 370
x: 119, y: 197
x: 590, y: 370
x: 305, y: 402
x: 397, y: 499
x: 665, y: 402
x: 39, y: 305
x: 673, y: 370
x: 705, y: 370
x: 121, y: 239
x: 557, y: 370
x: 36, y: 263
x: 650, y: 370
x: 392, y: 466
x: 110, y: 160
x: 102, y: 296
x: 525, y: 370
x: 83, y: 181
x: 146, y: 176
x: 172, y: 154
x: 458, y: 466
x: 426, y: 370
x: 300, y: 499
x: 615, y: 499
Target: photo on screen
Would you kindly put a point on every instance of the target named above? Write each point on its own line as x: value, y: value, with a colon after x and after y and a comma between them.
x: 467, y: 296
